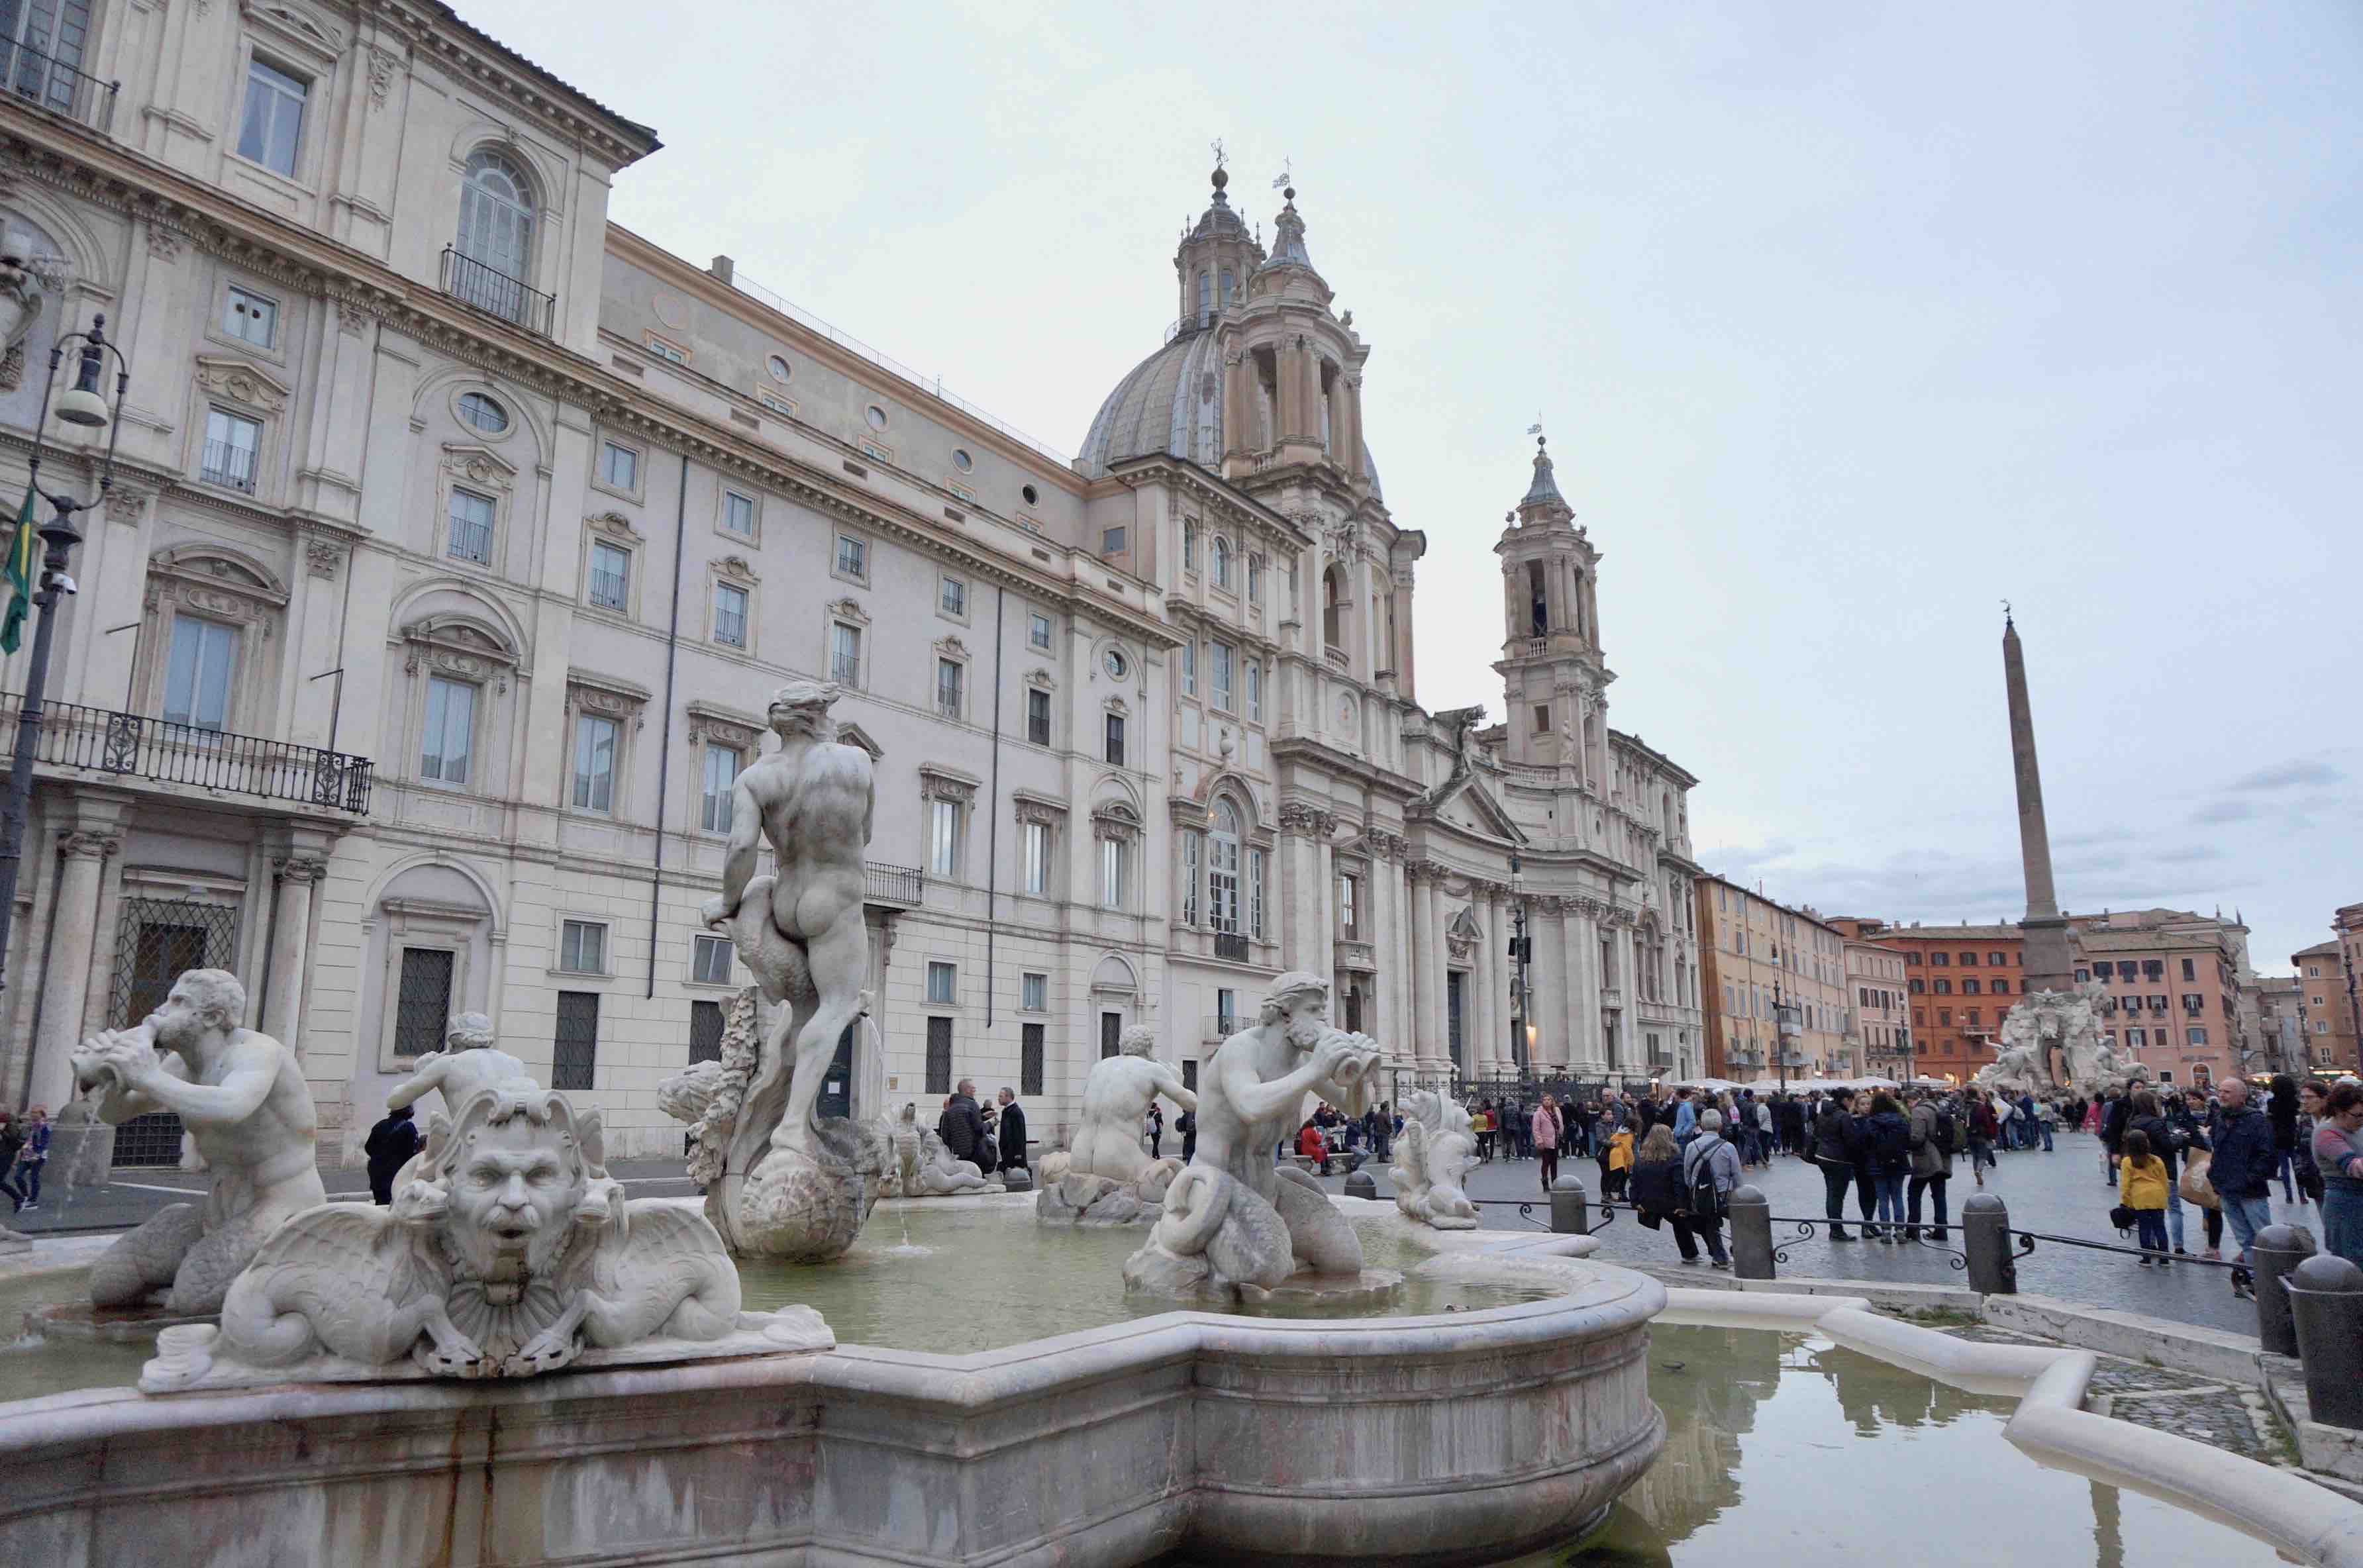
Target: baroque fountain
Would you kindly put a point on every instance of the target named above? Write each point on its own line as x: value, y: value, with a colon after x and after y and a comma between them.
x: 1215, y: 1362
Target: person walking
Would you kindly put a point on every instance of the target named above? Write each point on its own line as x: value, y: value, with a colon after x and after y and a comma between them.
x: 2338, y: 1155
x: 1482, y: 1124
x: 2142, y: 1186
x: 2283, y: 1108
x: 1152, y: 1131
x: 12, y: 1140
x: 1764, y: 1147
x: 1659, y: 1197
x: 1618, y: 1161
x: 2243, y: 1172
x: 1934, y: 1134
x: 2192, y: 1118
x: 1685, y: 1116
x: 2167, y: 1141
x: 1832, y: 1151
x: 1188, y: 1127
x: 1709, y: 1170
x: 1546, y: 1133
x: 388, y: 1148
x: 2113, y: 1123
x: 1012, y: 1128
x: 2046, y: 1116
x: 1982, y: 1131
x: 32, y: 1157
x: 1891, y: 1150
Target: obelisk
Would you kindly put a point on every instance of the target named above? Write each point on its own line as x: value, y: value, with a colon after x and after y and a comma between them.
x: 2048, y: 956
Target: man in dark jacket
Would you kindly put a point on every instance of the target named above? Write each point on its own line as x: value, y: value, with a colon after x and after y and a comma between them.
x: 2114, y: 1115
x: 1013, y: 1131
x: 2243, y: 1168
x: 1833, y: 1150
x: 390, y: 1145
x: 962, y: 1126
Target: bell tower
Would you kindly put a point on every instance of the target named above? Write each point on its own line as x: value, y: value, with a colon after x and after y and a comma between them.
x: 1214, y: 262
x: 1554, y: 679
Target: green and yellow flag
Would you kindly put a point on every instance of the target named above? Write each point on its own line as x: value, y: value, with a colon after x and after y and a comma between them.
x: 19, y: 576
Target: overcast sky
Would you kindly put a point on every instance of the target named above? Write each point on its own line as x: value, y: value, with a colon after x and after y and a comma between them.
x: 1846, y: 325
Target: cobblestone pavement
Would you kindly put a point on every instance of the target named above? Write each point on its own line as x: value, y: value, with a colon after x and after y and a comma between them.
x: 2060, y: 1193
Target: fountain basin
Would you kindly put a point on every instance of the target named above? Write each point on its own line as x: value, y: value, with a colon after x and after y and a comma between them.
x: 1397, y: 1440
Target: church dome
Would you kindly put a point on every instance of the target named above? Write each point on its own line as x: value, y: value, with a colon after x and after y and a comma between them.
x: 1171, y: 404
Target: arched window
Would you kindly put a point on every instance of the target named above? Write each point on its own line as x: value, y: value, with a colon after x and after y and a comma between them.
x: 495, y: 240
x: 1333, y: 591
x: 1223, y: 870
x: 1206, y: 291
x: 1230, y: 290
x: 1189, y: 545
x: 1219, y: 556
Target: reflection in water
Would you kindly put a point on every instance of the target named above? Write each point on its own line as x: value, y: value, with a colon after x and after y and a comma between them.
x: 2108, y: 1532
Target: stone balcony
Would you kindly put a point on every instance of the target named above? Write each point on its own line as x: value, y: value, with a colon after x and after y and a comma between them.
x: 102, y: 746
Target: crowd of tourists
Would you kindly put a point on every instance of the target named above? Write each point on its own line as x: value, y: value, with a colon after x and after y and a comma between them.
x: 23, y: 1151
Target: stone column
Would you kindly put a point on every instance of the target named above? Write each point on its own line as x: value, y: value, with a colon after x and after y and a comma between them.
x: 73, y: 933
x: 1287, y: 392
x: 1548, y: 975
x: 290, y: 942
x: 1428, y: 973
x: 1238, y: 400
x: 1309, y: 400
x: 1379, y: 1022
x: 1487, y: 978
x: 1583, y: 989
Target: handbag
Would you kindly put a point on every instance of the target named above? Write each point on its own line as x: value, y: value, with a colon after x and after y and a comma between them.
x: 2122, y: 1218
x: 2193, y: 1183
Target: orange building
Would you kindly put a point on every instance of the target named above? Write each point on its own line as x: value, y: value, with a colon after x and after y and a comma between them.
x: 1960, y: 982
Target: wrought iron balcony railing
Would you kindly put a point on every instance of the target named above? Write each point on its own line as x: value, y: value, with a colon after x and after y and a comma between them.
x: 494, y: 292
x: 133, y: 746
x: 1222, y: 1025
x: 1231, y: 945
x: 227, y: 464
x: 900, y: 885
x: 50, y: 84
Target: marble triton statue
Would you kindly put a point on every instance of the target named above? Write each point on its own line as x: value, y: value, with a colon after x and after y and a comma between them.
x: 1107, y: 1178
x: 469, y: 1062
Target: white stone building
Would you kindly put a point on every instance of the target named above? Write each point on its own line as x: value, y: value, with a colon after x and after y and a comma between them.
x: 459, y: 538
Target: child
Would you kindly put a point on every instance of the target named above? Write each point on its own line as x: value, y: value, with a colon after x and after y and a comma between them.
x: 1620, y: 1161
x: 2141, y: 1186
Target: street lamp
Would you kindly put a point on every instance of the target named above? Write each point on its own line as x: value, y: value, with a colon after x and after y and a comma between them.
x: 1522, y: 1033
x: 84, y: 405
x: 1788, y: 1018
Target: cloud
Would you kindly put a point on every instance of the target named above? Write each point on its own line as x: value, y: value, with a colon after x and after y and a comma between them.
x: 2219, y: 811
x: 2286, y: 776
x: 2187, y: 853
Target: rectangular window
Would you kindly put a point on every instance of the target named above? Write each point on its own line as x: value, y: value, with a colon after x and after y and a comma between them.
x: 1255, y: 691
x: 943, y: 837
x: 704, y: 1032
x: 1255, y: 580
x: 198, y: 674
x: 1227, y: 1012
x: 1038, y: 631
x: 2195, y: 1036
x: 1037, y: 857
x: 250, y: 318
x: 782, y: 406
x: 232, y: 452
x: 450, y: 728
x: 618, y: 466
x: 709, y: 962
x: 1223, y: 659
x: 1112, y: 541
x: 943, y: 984
x: 844, y: 653
x: 595, y: 763
x: 1189, y: 547
x: 1191, y: 851
x: 664, y: 351
x: 738, y: 514
x: 1111, y: 1034
x: 582, y: 947
x: 853, y: 557
x: 1189, y: 668
x: 1542, y: 719
x: 1255, y: 894
x: 425, y: 1007
x: 2189, y: 971
x: 1034, y: 996
x: 952, y: 597
x: 575, y: 1054
x: 2137, y: 1038
x: 470, y: 536
x: 1115, y: 873
x: 730, y: 614
x: 611, y: 573
x: 939, y: 1056
x: 1037, y: 717
x: 722, y: 765
x: 1350, y: 924
x: 1030, y: 1059
x: 1116, y: 738
x: 949, y: 673
x: 272, y: 127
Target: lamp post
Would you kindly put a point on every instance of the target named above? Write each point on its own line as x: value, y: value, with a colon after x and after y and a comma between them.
x: 1787, y: 1026
x: 84, y: 406
x: 1521, y: 1032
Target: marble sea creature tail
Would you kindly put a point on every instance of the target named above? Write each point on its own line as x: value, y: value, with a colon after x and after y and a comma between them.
x: 1217, y: 1233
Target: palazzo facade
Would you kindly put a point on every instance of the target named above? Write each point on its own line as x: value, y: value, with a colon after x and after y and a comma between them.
x: 459, y: 538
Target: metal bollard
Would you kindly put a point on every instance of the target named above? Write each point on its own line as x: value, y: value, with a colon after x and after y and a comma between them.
x: 1751, y: 1233
x: 2325, y: 1296
x: 1016, y: 1178
x: 2278, y: 1250
x: 1571, y: 1207
x: 1985, y: 1238
x: 1362, y: 1185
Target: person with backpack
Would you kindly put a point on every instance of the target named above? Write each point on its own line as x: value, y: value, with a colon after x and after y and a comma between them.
x: 2142, y: 1187
x: 1890, y: 1136
x: 1709, y: 1170
x: 1936, y: 1134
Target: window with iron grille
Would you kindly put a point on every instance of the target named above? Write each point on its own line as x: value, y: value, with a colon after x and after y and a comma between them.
x: 1116, y: 739
x: 575, y: 1054
x: 1037, y: 717
x: 730, y: 614
x: 844, y: 653
x: 722, y: 765
x: 1111, y: 1034
x: 611, y: 576
x: 424, y: 1007
x: 939, y: 1056
x: 949, y: 676
x: 1030, y: 1059
x: 157, y: 939
x: 471, y: 532
x: 704, y: 1032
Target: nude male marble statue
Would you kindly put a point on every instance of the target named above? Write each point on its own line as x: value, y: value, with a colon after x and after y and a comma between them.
x: 468, y: 1063
x: 1107, y: 1178
x: 242, y: 1097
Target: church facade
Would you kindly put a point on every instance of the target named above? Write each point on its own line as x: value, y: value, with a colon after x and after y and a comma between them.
x: 459, y: 538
